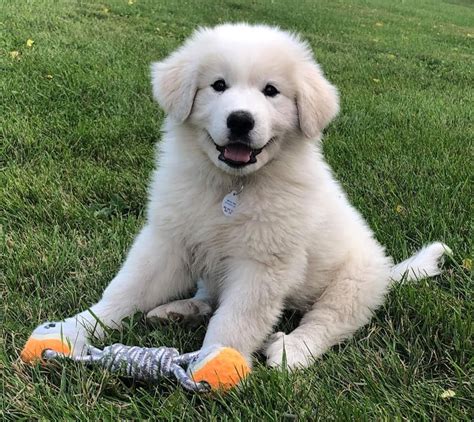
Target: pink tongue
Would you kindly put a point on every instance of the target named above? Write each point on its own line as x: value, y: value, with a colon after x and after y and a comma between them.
x: 238, y: 153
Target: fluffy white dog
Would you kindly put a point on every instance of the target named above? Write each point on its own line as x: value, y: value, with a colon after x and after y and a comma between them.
x: 243, y: 205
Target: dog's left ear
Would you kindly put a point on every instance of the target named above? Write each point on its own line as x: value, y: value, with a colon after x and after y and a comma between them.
x: 317, y: 100
x: 174, y: 84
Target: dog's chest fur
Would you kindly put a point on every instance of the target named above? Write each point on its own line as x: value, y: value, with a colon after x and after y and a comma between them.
x: 265, y: 227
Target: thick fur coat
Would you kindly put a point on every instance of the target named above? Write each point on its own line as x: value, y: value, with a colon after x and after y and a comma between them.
x: 246, y: 106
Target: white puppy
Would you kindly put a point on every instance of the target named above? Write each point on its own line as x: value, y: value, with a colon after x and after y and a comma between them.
x: 243, y: 205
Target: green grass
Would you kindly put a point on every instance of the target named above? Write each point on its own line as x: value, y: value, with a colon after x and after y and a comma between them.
x: 76, y: 154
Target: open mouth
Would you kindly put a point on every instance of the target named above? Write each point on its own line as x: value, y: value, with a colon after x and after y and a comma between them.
x: 238, y: 154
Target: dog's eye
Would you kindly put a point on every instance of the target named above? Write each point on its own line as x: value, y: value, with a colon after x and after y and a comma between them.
x: 270, y: 91
x: 219, y: 85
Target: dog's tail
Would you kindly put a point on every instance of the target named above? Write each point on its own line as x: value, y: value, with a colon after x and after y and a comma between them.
x: 425, y: 263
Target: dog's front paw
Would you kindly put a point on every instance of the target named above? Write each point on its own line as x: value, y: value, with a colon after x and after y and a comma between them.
x: 287, y: 350
x: 189, y: 311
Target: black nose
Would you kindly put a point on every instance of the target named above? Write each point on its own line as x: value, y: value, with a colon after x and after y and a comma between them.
x: 240, y: 123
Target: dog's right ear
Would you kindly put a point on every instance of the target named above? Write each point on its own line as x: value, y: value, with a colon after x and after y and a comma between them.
x: 174, y: 83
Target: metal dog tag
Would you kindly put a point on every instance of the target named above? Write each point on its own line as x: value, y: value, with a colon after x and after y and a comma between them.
x: 230, y: 203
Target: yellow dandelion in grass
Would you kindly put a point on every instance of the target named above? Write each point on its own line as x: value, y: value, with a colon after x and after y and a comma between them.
x: 467, y: 264
x: 14, y: 54
x: 400, y: 209
x: 376, y: 80
x: 379, y: 24
x: 448, y: 394
x: 29, y: 42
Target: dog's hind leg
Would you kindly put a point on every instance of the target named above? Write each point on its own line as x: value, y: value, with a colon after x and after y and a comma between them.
x: 192, y: 311
x: 345, y: 306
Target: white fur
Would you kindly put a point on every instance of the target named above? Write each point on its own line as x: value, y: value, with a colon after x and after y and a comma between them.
x: 425, y: 263
x: 294, y: 242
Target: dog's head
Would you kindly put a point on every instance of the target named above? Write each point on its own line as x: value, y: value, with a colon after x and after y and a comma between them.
x: 246, y: 90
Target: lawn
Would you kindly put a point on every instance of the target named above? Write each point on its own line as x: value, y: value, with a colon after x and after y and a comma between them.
x: 77, y: 133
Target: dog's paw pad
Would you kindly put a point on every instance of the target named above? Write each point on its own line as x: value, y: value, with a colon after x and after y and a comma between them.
x: 187, y: 310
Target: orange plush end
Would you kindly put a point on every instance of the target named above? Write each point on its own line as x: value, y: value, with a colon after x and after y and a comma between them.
x: 222, y: 369
x: 35, y: 346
